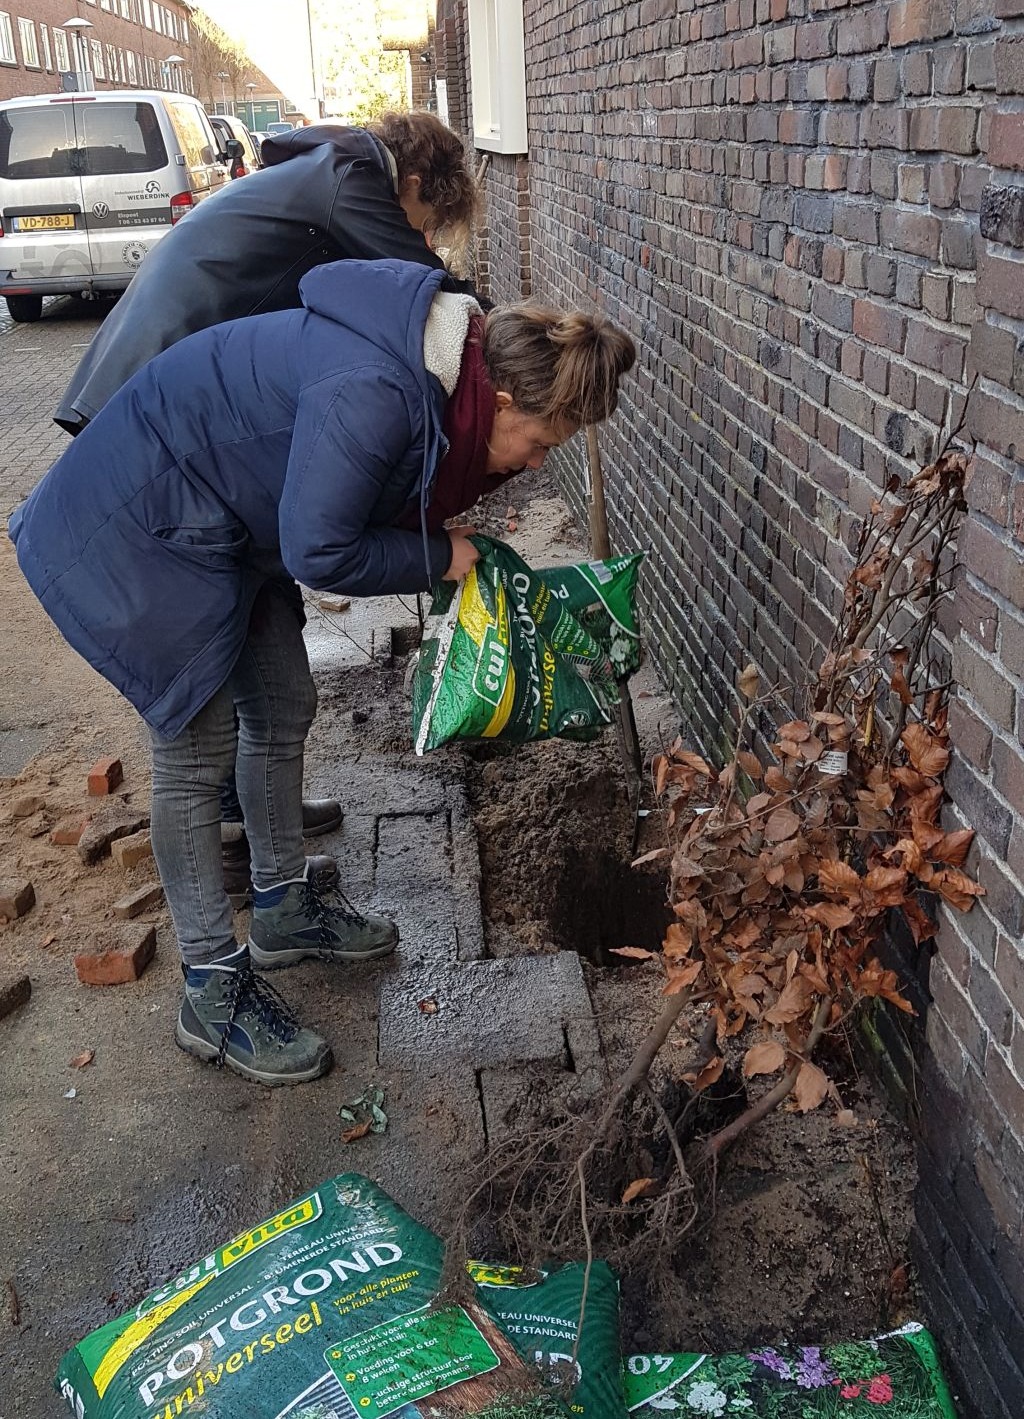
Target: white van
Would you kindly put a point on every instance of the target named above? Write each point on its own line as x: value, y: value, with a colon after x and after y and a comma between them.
x: 89, y: 181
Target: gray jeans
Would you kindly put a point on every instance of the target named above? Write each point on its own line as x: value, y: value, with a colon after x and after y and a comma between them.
x: 271, y: 690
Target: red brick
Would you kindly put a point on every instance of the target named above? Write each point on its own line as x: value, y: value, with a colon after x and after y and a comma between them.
x: 14, y: 992
x: 952, y: 128
x: 993, y: 560
x: 1006, y: 140
x: 988, y: 488
x: 108, y: 824
x: 911, y: 20
x: 129, y: 851
x: 915, y: 232
x: 970, y: 735
x: 139, y: 901
x: 991, y: 352
x: 879, y: 325
x: 1009, y: 64
x: 998, y: 421
x: 1001, y: 285
x: 16, y: 898
x: 120, y: 958
x: 104, y: 776
x: 68, y: 833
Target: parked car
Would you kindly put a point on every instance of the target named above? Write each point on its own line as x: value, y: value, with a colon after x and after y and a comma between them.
x: 282, y: 127
x: 89, y: 181
x: 240, y: 148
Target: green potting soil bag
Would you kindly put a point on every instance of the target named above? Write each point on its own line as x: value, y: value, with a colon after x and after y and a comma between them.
x: 506, y: 654
x: 602, y: 597
x: 898, y: 1375
x: 320, y: 1312
x: 540, y: 1312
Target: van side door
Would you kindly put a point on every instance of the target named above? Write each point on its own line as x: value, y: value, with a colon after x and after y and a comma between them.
x: 127, y: 184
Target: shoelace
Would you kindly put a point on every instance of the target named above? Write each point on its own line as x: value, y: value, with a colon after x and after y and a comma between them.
x: 250, y: 991
x: 326, y: 908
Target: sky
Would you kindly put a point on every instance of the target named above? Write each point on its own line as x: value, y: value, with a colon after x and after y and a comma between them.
x: 276, y: 34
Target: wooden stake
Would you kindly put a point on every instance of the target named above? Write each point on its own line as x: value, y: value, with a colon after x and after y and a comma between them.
x: 601, y: 549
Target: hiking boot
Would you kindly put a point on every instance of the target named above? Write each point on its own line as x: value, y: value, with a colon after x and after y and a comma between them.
x: 301, y: 919
x: 237, y: 866
x: 229, y: 1016
x: 319, y: 816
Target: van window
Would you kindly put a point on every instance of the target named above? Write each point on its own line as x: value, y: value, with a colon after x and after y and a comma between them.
x: 119, y: 137
x: 112, y: 138
x: 191, y: 134
x: 37, y: 142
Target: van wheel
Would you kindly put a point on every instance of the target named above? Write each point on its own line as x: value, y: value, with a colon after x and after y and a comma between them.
x: 25, y: 308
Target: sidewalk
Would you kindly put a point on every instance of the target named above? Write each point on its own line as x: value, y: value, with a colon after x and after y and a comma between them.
x: 155, y: 1158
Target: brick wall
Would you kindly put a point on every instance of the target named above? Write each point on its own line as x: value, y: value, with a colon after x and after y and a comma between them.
x: 109, y: 27
x: 810, y: 216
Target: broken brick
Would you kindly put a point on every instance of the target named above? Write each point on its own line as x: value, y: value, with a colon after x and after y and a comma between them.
x: 108, y: 825
x: 104, y: 777
x: 16, y: 898
x: 120, y: 957
x: 25, y: 807
x: 14, y: 992
x: 130, y: 851
x: 68, y: 833
x: 139, y: 901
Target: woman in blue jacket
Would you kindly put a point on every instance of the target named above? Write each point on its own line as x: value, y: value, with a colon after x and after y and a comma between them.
x: 325, y: 446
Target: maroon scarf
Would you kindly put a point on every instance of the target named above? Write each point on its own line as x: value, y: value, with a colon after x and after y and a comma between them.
x: 462, y: 477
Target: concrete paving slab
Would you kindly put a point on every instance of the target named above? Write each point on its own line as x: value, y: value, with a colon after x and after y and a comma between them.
x: 488, y: 1013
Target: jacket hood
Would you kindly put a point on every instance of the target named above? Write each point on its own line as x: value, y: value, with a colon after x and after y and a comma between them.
x: 353, y: 142
x: 384, y: 302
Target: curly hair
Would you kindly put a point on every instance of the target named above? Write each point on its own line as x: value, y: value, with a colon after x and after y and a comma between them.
x: 424, y: 147
x: 563, y: 367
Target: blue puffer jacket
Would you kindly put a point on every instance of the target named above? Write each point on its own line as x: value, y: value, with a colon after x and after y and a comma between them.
x: 276, y: 447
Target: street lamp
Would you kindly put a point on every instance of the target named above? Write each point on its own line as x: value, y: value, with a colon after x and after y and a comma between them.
x: 78, y: 26
x: 222, y: 75
x: 252, y: 107
x: 171, y: 60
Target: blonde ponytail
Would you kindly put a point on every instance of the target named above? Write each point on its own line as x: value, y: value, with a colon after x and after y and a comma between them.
x: 564, y: 368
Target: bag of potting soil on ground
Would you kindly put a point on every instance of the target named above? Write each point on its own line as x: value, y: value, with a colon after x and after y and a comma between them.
x: 897, y: 1374
x: 540, y: 1312
x: 513, y: 654
x: 320, y: 1312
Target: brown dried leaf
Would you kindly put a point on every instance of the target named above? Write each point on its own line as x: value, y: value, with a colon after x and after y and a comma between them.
x: 763, y: 1058
x: 831, y: 914
x: 427, y: 1007
x: 639, y: 1187
x: 776, y: 779
x: 795, y: 729
x: 956, y: 888
x: 846, y: 1118
x: 81, y: 1060
x: 783, y: 823
x: 651, y: 856
x: 747, y: 681
x: 810, y: 1088
x: 358, y: 1130
x: 927, y: 754
x: 709, y: 1075
x: 679, y: 978
x: 750, y: 764
x: 953, y: 847
x: 635, y: 953
x: 835, y: 875
x: 661, y: 767
x: 791, y: 1004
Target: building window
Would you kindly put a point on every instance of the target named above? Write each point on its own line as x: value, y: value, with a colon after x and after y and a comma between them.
x: 184, y: 31
x: 147, y: 15
x: 498, y: 71
x: 133, y: 77
x: 60, y: 50
x: 29, y: 43
x: 7, y: 54
x: 97, y: 60
x: 44, y: 35
x: 105, y: 4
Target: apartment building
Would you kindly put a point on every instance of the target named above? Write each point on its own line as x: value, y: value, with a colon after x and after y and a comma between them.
x: 125, y: 44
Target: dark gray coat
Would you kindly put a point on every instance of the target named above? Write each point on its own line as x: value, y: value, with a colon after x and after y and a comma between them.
x: 326, y: 194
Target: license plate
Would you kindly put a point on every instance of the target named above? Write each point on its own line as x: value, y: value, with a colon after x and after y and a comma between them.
x: 52, y: 222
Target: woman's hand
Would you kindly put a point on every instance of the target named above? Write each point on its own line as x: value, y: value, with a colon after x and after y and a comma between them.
x: 464, y: 554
